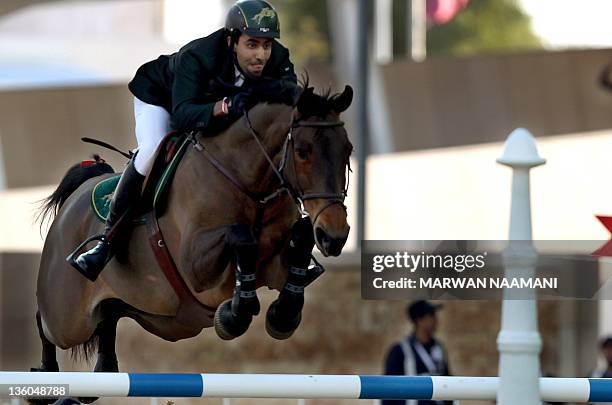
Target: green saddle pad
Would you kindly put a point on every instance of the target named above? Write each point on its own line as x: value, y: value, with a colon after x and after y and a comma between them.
x: 102, y: 195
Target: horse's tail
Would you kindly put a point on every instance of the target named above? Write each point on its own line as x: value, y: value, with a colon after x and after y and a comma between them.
x: 74, y: 177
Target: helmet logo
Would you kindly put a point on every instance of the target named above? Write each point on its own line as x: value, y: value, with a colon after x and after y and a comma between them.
x: 265, y: 12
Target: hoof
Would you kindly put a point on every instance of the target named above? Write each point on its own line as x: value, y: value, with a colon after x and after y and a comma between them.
x: 227, y: 325
x: 67, y: 401
x: 277, y: 326
x: 46, y: 367
x: 104, y: 364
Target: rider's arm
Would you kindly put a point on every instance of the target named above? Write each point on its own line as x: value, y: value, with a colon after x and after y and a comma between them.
x: 189, y: 108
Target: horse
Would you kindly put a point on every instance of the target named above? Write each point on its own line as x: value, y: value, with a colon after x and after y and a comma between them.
x: 244, y: 210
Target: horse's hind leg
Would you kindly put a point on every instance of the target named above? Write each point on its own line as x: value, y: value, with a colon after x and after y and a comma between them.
x: 49, y: 358
x: 48, y: 362
x: 234, y: 316
x: 285, y: 314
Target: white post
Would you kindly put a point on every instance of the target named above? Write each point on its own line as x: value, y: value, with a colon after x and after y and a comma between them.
x: 417, y: 30
x: 519, y: 341
x: 384, y: 31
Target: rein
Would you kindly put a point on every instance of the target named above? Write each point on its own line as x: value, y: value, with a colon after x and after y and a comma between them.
x: 298, y: 196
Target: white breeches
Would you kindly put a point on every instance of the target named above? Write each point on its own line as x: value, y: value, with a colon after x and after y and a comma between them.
x: 152, y: 124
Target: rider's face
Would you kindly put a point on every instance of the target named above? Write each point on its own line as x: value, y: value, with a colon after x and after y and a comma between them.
x: 252, y: 54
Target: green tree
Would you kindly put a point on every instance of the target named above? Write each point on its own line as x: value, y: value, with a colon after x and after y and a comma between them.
x: 304, y: 29
x: 485, y: 26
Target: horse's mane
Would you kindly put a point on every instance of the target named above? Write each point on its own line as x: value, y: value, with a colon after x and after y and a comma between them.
x: 313, y: 104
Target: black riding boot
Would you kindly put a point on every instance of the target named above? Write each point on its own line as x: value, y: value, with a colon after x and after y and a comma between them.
x: 126, y: 195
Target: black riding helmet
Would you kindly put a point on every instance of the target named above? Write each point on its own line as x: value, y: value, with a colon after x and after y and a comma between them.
x: 256, y: 18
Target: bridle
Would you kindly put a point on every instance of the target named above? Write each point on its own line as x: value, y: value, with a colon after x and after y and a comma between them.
x: 296, y: 193
x: 299, y: 195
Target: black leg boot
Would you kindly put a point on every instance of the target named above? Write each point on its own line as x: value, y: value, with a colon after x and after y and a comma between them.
x: 127, y: 194
x: 285, y: 314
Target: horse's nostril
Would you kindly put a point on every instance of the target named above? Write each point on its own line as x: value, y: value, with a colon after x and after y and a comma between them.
x: 330, y: 246
x: 322, y: 237
x: 335, y: 247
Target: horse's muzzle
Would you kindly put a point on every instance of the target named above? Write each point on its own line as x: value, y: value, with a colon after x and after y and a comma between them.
x: 330, y: 245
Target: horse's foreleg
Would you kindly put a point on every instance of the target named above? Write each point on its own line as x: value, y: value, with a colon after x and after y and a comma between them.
x: 106, y: 332
x: 107, y: 357
x: 285, y: 314
x: 234, y: 316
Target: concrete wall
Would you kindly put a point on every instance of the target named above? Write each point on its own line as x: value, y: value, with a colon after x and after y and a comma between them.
x: 40, y: 130
x: 19, y: 343
x: 447, y: 101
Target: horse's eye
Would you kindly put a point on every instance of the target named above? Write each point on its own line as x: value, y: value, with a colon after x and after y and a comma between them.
x: 302, y: 153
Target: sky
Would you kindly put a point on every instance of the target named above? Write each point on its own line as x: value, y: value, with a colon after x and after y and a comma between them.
x: 188, y: 19
x: 571, y: 23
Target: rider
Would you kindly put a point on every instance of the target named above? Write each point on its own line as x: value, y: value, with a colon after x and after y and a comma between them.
x: 204, y: 86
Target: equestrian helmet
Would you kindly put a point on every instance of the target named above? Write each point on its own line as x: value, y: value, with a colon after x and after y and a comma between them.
x: 256, y: 18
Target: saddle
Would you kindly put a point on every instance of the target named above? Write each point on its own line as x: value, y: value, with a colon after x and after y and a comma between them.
x: 156, y: 186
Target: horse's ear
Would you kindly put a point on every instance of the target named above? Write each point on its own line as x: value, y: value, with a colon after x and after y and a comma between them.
x: 342, y: 101
x: 302, y: 104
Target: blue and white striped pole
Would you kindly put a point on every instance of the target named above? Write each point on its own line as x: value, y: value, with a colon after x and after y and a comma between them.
x: 301, y: 386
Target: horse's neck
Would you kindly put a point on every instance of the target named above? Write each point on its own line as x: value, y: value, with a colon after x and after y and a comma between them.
x: 241, y: 153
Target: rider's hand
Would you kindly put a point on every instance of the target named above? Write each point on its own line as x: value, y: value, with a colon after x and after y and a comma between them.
x: 238, y: 104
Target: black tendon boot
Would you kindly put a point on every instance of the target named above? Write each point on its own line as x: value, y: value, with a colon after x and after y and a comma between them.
x: 126, y: 196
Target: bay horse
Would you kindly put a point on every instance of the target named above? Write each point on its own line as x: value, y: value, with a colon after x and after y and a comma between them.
x: 244, y: 210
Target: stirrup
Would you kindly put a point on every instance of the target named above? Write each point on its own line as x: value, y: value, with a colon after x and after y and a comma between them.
x: 71, y: 257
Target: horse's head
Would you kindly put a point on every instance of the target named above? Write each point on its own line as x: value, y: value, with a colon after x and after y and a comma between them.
x: 319, y: 163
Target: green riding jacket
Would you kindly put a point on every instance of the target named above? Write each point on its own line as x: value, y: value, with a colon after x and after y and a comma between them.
x: 182, y: 83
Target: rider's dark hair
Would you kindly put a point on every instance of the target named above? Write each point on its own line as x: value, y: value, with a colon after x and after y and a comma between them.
x: 234, y: 36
